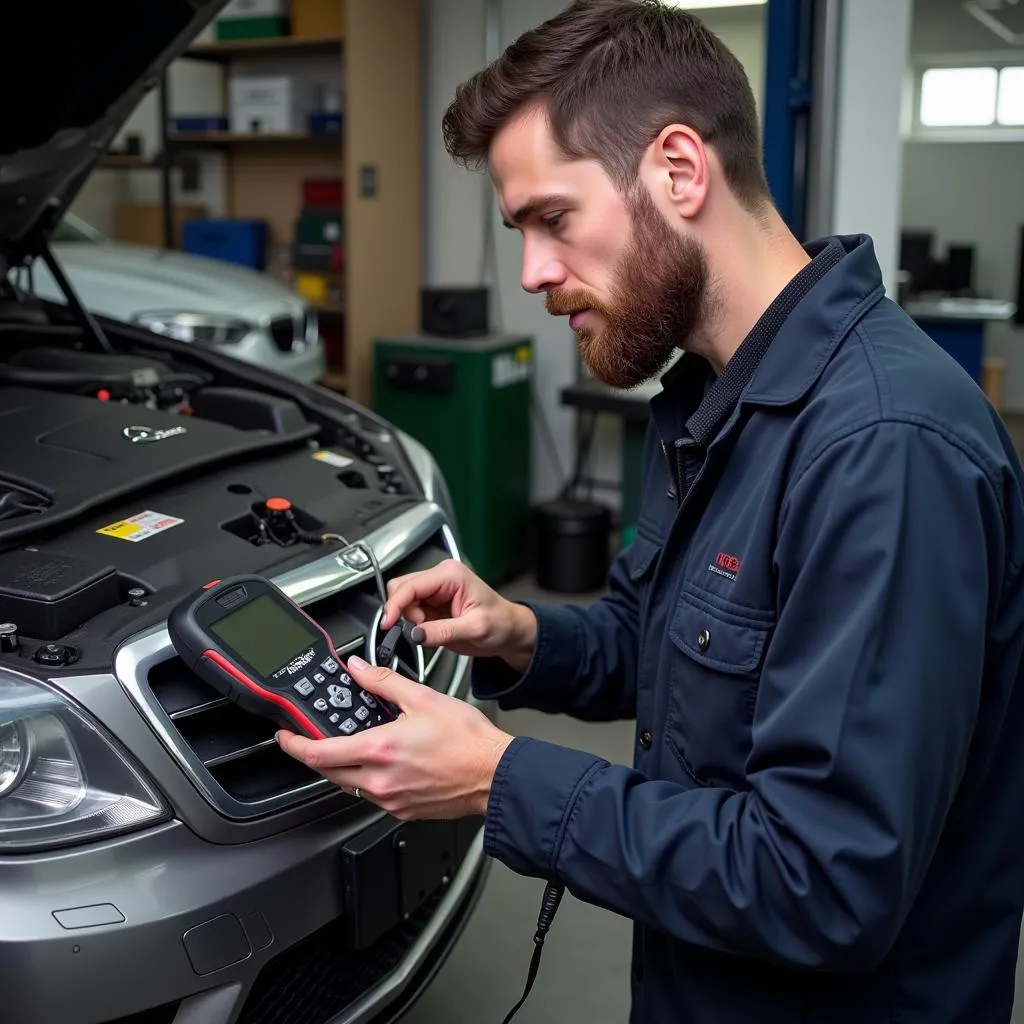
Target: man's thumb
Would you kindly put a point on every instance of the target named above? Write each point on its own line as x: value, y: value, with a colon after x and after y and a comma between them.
x: 382, y: 682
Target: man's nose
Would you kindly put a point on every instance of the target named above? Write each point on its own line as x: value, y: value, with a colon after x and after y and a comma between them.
x: 541, y: 271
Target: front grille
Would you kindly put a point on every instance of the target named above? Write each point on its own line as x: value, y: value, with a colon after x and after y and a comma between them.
x: 321, y: 976
x: 288, y: 333
x: 232, y: 754
x: 237, y: 748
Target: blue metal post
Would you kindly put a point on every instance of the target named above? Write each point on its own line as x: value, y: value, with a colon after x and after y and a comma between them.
x: 789, y: 54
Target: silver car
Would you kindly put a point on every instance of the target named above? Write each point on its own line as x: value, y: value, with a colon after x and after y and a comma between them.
x: 221, y: 305
x: 162, y: 860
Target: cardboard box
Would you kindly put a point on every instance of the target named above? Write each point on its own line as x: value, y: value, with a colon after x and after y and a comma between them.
x: 143, y: 223
x: 318, y: 19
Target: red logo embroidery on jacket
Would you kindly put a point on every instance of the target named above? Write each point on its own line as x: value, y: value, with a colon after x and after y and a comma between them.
x: 725, y: 565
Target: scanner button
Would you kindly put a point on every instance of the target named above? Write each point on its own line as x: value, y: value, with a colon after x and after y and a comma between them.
x: 345, y: 679
x: 348, y: 726
x: 319, y: 677
x: 303, y: 687
x: 330, y: 666
x: 339, y: 697
x: 362, y: 714
x: 368, y: 700
x: 335, y: 718
x: 320, y: 704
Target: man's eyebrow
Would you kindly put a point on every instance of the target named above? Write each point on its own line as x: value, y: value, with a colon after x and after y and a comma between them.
x: 531, y: 206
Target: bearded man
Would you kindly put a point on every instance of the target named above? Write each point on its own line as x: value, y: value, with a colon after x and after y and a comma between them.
x: 818, y: 629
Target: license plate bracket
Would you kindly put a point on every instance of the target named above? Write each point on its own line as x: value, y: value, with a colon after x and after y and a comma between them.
x: 391, y: 868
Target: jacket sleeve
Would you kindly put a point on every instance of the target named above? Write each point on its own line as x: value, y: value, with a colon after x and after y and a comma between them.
x: 585, y: 660
x: 890, y: 557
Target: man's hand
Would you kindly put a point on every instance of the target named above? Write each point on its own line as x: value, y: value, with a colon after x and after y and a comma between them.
x: 455, y: 609
x: 436, y: 761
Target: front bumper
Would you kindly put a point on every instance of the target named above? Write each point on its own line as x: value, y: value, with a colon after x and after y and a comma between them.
x: 171, y: 928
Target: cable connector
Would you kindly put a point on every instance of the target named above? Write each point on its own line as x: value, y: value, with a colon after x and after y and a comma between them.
x: 553, y: 893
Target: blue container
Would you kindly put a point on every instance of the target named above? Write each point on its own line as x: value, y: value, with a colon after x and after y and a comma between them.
x: 231, y: 239
x: 213, y: 123
x: 324, y: 124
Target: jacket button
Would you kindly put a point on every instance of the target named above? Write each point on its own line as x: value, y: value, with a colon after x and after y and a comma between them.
x: 703, y: 640
x: 645, y: 739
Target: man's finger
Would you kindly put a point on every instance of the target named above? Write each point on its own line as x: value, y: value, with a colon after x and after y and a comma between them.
x: 384, y: 683
x: 412, y: 590
x: 325, y: 754
x: 440, y: 632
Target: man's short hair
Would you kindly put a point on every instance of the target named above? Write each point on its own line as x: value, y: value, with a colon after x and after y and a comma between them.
x: 611, y: 74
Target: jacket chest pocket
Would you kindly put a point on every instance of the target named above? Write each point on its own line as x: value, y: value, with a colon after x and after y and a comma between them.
x: 716, y: 663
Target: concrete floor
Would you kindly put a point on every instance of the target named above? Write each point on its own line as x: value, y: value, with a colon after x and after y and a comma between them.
x: 584, y: 973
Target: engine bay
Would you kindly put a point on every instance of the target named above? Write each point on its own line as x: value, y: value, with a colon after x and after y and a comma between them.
x: 128, y: 478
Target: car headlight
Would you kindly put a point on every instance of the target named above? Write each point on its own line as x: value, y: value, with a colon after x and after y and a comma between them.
x: 208, y: 329
x: 62, y: 780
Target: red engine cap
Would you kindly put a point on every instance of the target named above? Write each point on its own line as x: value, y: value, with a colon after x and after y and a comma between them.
x: 278, y: 504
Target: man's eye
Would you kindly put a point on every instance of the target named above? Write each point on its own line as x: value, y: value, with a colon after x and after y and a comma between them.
x: 554, y: 222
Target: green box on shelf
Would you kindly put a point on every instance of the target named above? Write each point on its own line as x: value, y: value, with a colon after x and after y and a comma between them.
x: 319, y: 227
x: 268, y: 26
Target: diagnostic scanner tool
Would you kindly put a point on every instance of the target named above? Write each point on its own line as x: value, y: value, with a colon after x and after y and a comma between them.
x: 253, y: 644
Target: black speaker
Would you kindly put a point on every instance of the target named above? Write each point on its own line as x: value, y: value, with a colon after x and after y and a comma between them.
x: 454, y: 312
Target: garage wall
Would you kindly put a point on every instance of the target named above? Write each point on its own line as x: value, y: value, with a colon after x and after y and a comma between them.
x: 869, y: 154
x: 940, y: 185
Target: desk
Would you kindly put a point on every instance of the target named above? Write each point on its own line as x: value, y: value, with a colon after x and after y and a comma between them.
x: 632, y: 409
x: 958, y: 325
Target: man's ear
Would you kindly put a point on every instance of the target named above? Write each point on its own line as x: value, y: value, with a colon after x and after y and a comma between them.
x: 677, y: 168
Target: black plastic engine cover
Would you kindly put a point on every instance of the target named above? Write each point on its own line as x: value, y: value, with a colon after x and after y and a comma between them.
x: 75, y: 453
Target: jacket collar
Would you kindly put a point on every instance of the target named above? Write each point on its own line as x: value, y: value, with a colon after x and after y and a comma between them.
x: 810, y: 335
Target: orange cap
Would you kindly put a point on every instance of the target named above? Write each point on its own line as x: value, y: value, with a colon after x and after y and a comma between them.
x: 278, y: 504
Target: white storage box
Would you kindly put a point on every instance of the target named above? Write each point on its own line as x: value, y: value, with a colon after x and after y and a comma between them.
x: 269, y: 103
x: 253, y: 9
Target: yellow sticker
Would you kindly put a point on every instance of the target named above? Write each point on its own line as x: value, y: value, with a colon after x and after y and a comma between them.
x: 332, y: 458
x: 139, y: 527
x: 122, y: 529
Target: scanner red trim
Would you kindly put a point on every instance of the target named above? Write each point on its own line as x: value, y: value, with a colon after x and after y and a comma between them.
x: 221, y: 662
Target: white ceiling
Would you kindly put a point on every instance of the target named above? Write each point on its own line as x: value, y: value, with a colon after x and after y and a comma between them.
x: 956, y: 26
x: 1001, y: 21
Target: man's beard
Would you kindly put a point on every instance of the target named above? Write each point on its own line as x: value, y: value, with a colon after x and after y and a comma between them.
x: 660, y: 301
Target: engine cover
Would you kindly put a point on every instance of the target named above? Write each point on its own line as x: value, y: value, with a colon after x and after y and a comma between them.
x: 62, y: 455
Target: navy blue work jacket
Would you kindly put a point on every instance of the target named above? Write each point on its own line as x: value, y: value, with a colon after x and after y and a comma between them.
x: 821, y: 644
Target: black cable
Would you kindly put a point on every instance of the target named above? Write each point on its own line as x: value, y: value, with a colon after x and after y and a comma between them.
x: 549, y: 905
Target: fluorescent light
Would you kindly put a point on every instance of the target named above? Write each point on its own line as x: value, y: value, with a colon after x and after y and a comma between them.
x: 703, y: 5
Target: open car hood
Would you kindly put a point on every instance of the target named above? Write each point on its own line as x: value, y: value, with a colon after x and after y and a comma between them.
x: 71, y: 73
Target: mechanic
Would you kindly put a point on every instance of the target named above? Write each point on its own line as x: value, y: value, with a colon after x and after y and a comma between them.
x: 819, y: 626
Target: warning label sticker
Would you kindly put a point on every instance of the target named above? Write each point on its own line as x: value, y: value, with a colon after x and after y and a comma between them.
x: 140, y: 527
x: 332, y: 458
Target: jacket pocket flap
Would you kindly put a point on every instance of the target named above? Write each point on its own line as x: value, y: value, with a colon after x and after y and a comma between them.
x: 719, y: 640
x: 640, y: 555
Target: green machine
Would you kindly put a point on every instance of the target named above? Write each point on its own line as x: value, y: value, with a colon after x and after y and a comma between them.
x: 467, y: 400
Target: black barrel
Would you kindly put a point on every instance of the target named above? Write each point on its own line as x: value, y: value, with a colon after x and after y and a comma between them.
x: 571, y: 545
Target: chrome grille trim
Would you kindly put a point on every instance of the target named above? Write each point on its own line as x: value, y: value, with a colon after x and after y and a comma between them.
x: 324, y: 577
